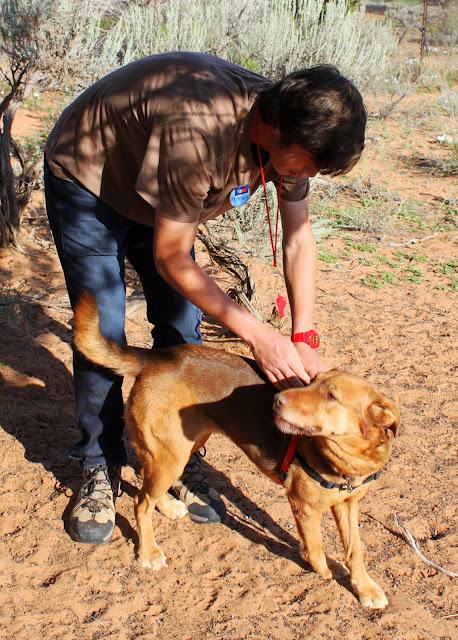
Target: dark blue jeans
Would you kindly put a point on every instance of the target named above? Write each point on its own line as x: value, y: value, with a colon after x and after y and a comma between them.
x: 92, y: 242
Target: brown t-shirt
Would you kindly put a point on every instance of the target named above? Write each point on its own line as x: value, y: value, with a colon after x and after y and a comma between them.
x: 167, y: 133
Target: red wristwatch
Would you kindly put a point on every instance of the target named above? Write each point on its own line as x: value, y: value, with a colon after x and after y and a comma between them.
x: 309, y: 337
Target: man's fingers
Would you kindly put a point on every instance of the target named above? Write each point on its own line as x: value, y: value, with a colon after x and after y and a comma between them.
x: 296, y: 382
x: 301, y: 376
x: 284, y: 381
x: 281, y: 385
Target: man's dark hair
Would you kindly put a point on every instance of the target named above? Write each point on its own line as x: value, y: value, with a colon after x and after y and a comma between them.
x: 322, y: 112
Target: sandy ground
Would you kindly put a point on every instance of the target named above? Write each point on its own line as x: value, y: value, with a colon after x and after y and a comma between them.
x: 244, y: 578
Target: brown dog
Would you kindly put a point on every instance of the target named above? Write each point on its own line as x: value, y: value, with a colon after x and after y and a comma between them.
x: 184, y: 394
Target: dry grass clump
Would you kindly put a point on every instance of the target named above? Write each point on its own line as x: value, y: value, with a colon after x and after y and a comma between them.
x: 370, y: 208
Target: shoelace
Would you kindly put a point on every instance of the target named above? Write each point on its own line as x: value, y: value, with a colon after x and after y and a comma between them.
x: 101, y: 485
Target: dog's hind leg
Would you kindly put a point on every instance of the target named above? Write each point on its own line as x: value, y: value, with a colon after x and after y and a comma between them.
x: 154, y: 494
x: 149, y: 553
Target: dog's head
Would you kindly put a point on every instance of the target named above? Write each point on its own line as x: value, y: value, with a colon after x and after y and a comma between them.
x: 336, y: 403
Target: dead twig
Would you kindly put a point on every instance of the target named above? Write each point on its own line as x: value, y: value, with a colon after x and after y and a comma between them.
x: 408, y: 537
x: 100, y: 623
x: 236, y: 293
x: 412, y: 241
x: 244, y: 290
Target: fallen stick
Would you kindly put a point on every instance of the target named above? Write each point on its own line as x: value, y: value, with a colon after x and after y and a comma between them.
x: 408, y: 537
x: 412, y: 241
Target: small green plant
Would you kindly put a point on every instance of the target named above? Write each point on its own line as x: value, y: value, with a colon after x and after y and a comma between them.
x: 363, y: 246
x: 388, y: 277
x: 409, y: 211
x: 385, y: 260
x: 447, y: 214
x: 373, y: 282
x: 446, y: 269
x: 377, y: 282
x: 326, y: 256
x: 418, y: 257
x: 413, y: 275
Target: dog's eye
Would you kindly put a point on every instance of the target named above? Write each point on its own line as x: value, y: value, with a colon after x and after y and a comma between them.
x: 330, y: 396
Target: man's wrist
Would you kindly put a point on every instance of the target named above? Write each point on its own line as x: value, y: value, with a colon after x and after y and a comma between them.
x: 310, y: 337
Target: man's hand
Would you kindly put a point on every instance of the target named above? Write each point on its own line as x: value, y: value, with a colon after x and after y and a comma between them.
x: 283, y: 363
x: 310, y: 359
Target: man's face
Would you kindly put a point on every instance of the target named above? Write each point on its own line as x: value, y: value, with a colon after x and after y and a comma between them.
x: 291, y: 161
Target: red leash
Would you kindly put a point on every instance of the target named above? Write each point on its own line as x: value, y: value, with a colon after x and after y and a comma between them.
x: 281, y: 302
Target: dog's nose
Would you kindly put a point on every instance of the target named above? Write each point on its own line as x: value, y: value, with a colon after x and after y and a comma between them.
x: 280, y: 400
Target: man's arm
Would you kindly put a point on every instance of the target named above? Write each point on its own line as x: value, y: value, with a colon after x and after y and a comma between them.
x: 300, y: 267
x: 275, y: 354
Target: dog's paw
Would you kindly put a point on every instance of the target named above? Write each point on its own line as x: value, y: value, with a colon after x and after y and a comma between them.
x: 171, y: 508
x: 178, y: 510
x: 372, y: 596
x: 154, y: 561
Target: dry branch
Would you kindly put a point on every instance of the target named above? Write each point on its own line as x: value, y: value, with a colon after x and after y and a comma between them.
x: 411, y: 241
x: 408, y: 537
x: 244, y: 291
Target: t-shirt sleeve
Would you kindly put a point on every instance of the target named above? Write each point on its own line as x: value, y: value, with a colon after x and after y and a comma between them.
x: 176, y: 173
x: 293, y: 189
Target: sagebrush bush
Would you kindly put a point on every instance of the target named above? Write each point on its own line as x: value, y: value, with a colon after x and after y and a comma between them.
x: 272, y: 37
x: 56, y: 42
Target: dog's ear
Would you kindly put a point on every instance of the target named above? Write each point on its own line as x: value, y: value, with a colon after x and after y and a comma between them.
x: 383, y: 413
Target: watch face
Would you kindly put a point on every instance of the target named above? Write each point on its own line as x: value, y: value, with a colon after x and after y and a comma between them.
x: 313, y: 339
x: 309, y: 337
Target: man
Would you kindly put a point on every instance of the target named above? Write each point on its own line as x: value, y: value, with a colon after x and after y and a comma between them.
x: 131, y: 168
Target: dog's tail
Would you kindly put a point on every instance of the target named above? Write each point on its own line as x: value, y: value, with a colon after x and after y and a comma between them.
x: 95, y: 347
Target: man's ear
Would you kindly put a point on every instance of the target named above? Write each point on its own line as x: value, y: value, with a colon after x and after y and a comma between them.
x: 383, y: 413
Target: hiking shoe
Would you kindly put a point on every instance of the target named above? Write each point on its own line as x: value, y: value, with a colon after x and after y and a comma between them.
x: 93, y: 514
x: 203, y: 502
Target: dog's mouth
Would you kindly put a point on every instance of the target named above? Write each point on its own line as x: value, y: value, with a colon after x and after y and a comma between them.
x: 294, y: 429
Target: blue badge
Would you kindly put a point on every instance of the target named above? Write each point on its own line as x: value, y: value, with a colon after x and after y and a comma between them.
x: 239, y: 195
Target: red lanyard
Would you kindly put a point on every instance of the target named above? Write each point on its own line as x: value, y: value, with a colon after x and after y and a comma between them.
x: 272, y: 241
x: 281, y: 302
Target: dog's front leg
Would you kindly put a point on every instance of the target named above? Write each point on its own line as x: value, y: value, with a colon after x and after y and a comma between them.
x: 308, y: 521
x: 347, y: 520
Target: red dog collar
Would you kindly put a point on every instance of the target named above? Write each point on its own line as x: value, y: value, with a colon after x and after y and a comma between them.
x: 309, y: 337
x: 289, y: 455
